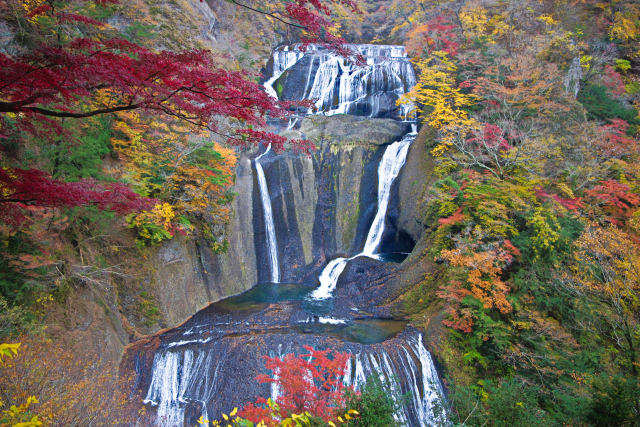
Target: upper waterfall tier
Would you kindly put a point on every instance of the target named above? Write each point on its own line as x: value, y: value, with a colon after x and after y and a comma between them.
x: 338, y: 86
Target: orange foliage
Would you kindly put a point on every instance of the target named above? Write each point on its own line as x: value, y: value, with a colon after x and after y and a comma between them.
x: 483, y: 282
x: 169, y: 162
x: 522, y: 83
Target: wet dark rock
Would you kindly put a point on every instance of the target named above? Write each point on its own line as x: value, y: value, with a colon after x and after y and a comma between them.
x: 362, y: 284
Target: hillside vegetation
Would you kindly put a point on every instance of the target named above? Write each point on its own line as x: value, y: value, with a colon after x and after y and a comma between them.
x: 535, y: 220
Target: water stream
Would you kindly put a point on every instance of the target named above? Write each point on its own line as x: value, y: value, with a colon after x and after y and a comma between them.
x: 272, y: 243
x: 392, y: 161
x: 339, y: 86
x: 283, y: 59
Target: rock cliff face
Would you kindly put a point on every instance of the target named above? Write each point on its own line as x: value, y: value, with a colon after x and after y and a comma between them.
x: 323, y: 204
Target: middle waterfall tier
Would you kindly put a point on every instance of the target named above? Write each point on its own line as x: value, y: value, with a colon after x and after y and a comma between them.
x: 392, y: 161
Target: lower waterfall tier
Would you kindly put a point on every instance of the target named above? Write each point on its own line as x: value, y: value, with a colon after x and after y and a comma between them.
x: 208, y: 365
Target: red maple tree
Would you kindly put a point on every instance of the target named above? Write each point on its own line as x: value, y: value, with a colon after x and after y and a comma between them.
x: 307, y: 382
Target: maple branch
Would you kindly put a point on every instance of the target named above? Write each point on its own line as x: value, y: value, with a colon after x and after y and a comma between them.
x: 12, y: 107
x: 271, y: 14
x: 54, y: 113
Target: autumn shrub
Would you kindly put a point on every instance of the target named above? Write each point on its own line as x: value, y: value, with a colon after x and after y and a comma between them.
x: 153, y: 226
x: 513, y: 403
x: 375, y: 403
x: 15, y: 320
x: 601, y: 106
x: 81, y: 155
x: 70, y: 389
x: 310, y: 382
x: 614, y: 401
x: 18, y: 284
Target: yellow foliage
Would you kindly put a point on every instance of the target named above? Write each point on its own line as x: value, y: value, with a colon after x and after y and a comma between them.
x: 8, y: 350
x: 17, y: 415
x: 547, y: 19
x: 174, y: 163
x: 474, y: 21
x: 45, y: 383
x: 440, y: 100
x: 625, y: 26
x: 617, y: 259
x: 155, y: 225
x: 546, y: 229
x: 29, y: 6
x: 477, y: 23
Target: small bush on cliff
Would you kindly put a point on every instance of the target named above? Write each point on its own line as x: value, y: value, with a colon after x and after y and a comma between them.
x: 375, y: 404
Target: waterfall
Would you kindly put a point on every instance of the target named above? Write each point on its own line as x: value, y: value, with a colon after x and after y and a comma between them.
x: 272, y: 244
x: 408, y: 369
x: 392, y: 161
x: 208, y: 366
x: 329, y: 278
x: 180, y: 378
x: 340, y: 86
x: 187, y: 381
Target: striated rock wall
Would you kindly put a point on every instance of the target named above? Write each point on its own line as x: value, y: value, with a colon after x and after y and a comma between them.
x: 323, y: 204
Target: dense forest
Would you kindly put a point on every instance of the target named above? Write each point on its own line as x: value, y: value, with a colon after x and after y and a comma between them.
x: 122, y: 126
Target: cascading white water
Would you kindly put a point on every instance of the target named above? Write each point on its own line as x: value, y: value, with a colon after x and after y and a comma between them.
x: 392, y: 161
x: 190, y: 375
x: 193, y: 377
x: 178, y: 378
x: 340, y: 86
x: 401, y: 374
x: 272, y: 244
x: 282, y: 60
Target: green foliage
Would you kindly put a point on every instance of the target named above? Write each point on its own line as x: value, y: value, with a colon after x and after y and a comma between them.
x: 15, y: 320
x: 153, y: 226
x: 512, y: 403
x: 623, y: 65
x: 506, y: 404
x: 375, y: 403
x: 90, y: 222
x: 73, y: 160
x: 613, y: 401
x: 14, y: 285
x: 140, y: 31
x: 601, y: 106
x: 543, y: 231
x: 420, y: 297
x: 147, y: 309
